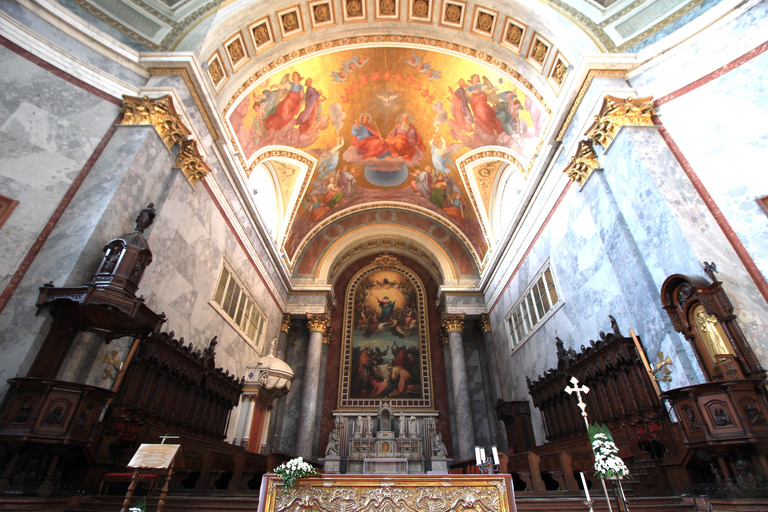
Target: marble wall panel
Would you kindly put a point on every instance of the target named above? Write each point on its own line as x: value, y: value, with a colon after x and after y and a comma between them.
x: 726, y: 147
x: 296, y: 356
x: 49, y: 128
x: 478, y: 398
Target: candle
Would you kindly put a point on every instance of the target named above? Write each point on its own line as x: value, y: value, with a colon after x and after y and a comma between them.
x: 477, y: 455
x: 584, y: 483
x: 495, y: 455
x: 482, y: 454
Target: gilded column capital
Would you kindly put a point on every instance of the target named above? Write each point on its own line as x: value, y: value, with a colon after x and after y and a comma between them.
x: 191, y: 162
x: 582, y: 163
x: 485, y: 323
x: 453, y: 323
x: 618, y: 112
x: 319, y: 323
x: 285, y: 326
x: 158, y: 112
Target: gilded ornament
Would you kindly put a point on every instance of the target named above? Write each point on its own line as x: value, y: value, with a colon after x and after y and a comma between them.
x: 539, y: 52
x: 158, y: 112
x: 260, y: 34
x: 285, y: 326
x: 453, y: 323
x: 514, y: 34
x: 453, y: 13
x: 618, y: 112
x: 235, y: 50
x: 215, y: 71
x: 583, y: 163
x: 322, y: 13
x: 191, y: 162
x: 558, y: 74
x: 485, y: 22
x: 290, y: 21
x: 420, y: 8
x: 354, y: 8
x: 387, y: 7
x: 386, y: 260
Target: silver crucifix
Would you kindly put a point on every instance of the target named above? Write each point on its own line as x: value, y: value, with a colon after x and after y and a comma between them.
x: 579, y: 390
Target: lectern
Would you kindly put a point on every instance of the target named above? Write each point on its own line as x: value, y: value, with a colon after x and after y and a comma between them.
x: 154, y: 458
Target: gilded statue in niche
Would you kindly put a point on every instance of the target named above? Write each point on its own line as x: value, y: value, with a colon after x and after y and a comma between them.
x: 711, y: 332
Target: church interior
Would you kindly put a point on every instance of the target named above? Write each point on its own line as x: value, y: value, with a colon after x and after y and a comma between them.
x: 383, y: 235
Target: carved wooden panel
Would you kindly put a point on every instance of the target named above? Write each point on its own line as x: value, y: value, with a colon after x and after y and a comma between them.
x: 7, y: 206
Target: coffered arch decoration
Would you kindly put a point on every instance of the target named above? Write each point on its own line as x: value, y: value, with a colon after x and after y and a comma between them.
x: 404, y: 229
x: 385, y: 339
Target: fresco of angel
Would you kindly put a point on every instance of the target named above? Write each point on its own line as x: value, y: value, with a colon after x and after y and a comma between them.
x: 442, y: 153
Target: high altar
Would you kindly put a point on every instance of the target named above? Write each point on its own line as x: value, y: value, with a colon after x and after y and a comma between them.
x: 388, y: 443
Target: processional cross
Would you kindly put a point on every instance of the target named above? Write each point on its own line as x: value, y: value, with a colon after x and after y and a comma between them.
x: 579, y: 390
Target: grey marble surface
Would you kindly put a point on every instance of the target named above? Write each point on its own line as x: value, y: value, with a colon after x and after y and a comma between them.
x: 308, y: 425
x: 49, y: 128
x: 462, y: 407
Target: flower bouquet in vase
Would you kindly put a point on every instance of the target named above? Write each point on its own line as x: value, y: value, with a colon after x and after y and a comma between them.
x: 608, y: 464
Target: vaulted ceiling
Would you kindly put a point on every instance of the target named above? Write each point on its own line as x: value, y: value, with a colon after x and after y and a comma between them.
x: 365, y: 125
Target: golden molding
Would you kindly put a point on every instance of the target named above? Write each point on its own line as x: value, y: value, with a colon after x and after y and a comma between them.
x: 618, y: 112
x: 453, y: 323
x: 485, y: 323
x: 319, y: 323
x: 158, y: 112
x: 191, y: 162
x: 582, y: 163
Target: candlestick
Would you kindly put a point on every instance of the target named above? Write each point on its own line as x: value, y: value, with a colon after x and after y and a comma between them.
x: 477, y: 455
x: 482, y: 454
x: 495, y: 455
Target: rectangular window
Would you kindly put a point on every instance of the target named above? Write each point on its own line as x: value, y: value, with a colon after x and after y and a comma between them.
x: 232, y: 300
x: 533, y: 307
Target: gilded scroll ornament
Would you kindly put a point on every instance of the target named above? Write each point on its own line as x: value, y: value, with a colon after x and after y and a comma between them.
x: 160, y: 113
x: 583, y: 163
x: 618, y: 112
x: 454, y: 323
x: 191, y: 162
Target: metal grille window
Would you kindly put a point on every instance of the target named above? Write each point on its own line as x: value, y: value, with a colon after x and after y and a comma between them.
x: 231, y: 299
x: 533, y: 307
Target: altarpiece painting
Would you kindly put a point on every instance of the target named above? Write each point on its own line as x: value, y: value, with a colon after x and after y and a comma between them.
x: 385, y: 354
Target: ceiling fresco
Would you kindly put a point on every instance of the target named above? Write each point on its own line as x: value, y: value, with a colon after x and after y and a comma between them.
x: 388, y: 125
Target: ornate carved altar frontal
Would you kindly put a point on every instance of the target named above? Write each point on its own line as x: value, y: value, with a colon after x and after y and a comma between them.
x: 385, y: 347
x: 390, y: 494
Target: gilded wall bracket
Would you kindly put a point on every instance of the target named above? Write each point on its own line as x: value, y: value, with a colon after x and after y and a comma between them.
x: 160, y: 113
x: 582, y: 163
x: 618, y: 112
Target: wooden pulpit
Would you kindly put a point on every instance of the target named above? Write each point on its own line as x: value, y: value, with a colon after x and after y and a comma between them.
x: 153, y: 458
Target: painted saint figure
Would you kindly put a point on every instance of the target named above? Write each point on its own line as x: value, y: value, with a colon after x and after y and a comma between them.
x: 485, y: 114
x: 404, y: 140
x: 312, y: 100
x: 367, y: 139
x: 289, y: 106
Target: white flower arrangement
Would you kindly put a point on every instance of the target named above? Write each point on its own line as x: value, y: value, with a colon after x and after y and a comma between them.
x: 608, y: 464
x: 294, y: 469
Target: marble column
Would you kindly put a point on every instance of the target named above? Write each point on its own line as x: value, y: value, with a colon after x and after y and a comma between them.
x: 491, y: 377
x: 454, y: 325
x: 246, y: 435
x: 282, y: 340
x: 318, y: 326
